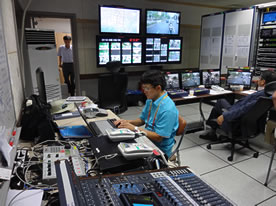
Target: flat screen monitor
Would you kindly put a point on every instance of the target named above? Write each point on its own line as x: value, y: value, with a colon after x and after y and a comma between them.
x: 163, y: 50
x: 190, y: 79
x: 239, y: 77
x: 269, y: 17
x: 210, y: 77
x: 172, y: 81
x: 127, y: 50
x: 162, y: 22
x: 119, y: 20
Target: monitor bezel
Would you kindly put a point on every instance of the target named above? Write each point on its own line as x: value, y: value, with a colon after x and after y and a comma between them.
x: 239, y: 70
x: 165, y: 37
x: 98, y: 37
x: 119, y: 7
x: 188, y: 87
x: 211, y: 70
x: 161, y: 10
x: 179, y: 79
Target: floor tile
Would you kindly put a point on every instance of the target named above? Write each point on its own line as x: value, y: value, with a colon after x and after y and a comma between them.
x: 259, y: 144
x: 186, y: 143
x: 269, y: 202
x: 129, y: 116
x: 268, y: 154
x: 194, y: 137
x: 257, y: 169
x: 238, y: 187
x: 133, y: 110
x: 200, y: 160
x: 187, y: 110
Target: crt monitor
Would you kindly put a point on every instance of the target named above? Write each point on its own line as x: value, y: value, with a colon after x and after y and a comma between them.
x: 172, y: 81
x: 162, y: 22
x: 190, y: 79
x: 239, y: 77
x: 119, y: 20
x: 269, y: 17
x: 210, y: 77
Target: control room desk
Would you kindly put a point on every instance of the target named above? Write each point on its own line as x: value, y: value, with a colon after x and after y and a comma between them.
x: 111, y: 115
x: 208, y: 99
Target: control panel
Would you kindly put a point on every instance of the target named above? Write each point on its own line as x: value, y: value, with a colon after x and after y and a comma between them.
x: 174, y: 186
x: 54, y: 153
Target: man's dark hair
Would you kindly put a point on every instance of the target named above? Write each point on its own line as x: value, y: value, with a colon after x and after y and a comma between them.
x: 67, y: 38
x: 268, y: 76
x: 153, y: 77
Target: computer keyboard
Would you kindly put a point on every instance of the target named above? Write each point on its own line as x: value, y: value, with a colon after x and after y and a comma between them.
x: 99, y: 127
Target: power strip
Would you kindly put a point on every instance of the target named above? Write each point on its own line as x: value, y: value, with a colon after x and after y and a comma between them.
x: 54, y: 153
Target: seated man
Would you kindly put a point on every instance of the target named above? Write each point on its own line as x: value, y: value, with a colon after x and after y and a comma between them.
x: 159, y: 114
x: 223, y: 112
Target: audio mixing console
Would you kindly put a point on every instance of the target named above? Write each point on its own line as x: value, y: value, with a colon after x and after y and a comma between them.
x: 174, y: 186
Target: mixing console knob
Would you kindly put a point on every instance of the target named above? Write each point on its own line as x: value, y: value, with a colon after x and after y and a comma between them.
x: 126, y: 185
x: 121, y: 186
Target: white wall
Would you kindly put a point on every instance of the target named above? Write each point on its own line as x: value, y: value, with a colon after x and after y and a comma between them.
x: 57, y: 24
x: 7, y: 10
x: 87, y: 27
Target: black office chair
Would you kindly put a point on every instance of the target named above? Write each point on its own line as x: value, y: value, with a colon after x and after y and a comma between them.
x: 112, y: 91
x: 247, y: 127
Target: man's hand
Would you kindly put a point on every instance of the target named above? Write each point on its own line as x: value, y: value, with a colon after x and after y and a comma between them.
x: 124, y: 124
x: 60, y: 65
x: 220, y: 120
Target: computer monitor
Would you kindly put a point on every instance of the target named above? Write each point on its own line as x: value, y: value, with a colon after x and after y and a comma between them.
x: 269, y: 17
x: 210, y: 77
x: 172, y: 80
x: 41, y: 84
x: 239, y: 77
x: 163, y: 50
x: 127, y: 50
x: 190, y: 79
x: 162, y: 22
x: 119, y: 20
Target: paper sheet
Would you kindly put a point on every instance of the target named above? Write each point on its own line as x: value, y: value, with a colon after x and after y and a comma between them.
x: 4, y: 145
x: 26, y: 198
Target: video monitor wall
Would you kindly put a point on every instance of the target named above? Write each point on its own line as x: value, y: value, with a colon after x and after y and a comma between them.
x: 210, y: 77
x: 119, y: 20
x: 127, y: 50
x: 162, y: 22
x: 190, y: 79
x: 172, y: 81
x: 163, y: 50
x: 239, y: 78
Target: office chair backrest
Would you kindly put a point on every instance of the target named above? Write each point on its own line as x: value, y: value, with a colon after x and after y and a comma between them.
x: 255, y: 119
x: 112, y: 89
x: 182, y: 124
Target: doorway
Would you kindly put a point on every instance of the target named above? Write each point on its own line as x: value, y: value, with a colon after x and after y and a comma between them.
x: 62, y: 24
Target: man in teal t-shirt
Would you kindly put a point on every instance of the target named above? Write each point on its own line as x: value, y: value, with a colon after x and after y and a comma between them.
x: 159, y: 115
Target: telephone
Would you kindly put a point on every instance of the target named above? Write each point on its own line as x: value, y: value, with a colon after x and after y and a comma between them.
x: 135, y: 150
x: 217, y: 88
x: 116, y: 135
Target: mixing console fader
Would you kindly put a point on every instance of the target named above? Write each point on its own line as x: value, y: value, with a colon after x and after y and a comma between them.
x: 175, y: 186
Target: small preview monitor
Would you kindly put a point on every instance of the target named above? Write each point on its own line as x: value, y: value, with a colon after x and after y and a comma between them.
x: 172, y: 81
x: 163, y: 50
x: 162, y: 22
x: 119, y: 20
x: 190, y: 79
x: 269, y: 17
x: 210, y: 77
x: 239, y: 77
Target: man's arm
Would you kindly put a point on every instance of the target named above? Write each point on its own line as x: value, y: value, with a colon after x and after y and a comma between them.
x: 274, y: 99
x: 59, y: 61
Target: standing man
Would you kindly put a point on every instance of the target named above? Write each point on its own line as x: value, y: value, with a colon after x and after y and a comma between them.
x: 65, y: 61
x: 159, y: 115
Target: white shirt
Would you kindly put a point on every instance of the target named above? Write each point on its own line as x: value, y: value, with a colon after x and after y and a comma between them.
x: 66, y: 54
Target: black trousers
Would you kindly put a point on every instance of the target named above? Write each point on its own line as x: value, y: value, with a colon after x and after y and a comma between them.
x: 221, y: 105
x: 68, y: 72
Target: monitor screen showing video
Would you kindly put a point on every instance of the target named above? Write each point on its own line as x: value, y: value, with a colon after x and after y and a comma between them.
x: 162, y: 22
x: 172, y: 81
x: 190, y: 79
x: 163, y: 50
x: 269, y: 17
x: 119, y: 20
x: 211, y: 77
x: 239, y: 78
x: 127, y: 50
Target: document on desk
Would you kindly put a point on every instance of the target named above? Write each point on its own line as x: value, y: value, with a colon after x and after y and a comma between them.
x: 213, y: 92
x: 29, y: 197
x: 248, y: 91
x: 5, y: 148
